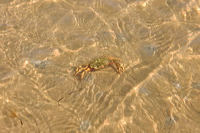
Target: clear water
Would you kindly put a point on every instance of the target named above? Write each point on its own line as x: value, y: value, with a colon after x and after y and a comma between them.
x: 43, y: 41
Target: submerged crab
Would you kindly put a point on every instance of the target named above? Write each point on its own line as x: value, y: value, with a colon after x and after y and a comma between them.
x: 100, y: 64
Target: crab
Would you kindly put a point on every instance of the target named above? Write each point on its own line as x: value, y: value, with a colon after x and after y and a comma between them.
x: 100, y: 64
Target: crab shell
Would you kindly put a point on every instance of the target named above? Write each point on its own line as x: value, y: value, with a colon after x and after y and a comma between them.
x: 99, y: 64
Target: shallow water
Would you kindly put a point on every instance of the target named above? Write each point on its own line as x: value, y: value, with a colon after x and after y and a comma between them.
x: 43, y: 41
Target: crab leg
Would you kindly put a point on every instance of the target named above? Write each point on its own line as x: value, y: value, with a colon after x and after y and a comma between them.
x: 80, y: 69
x: 83, y: 73
x: 77, y: 71
x: 120, y: 68
x: 113, y: 66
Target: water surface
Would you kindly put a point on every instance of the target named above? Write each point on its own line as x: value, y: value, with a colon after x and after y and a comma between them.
x: 43, y: 41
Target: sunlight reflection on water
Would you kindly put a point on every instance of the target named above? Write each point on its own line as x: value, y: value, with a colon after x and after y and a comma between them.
x: 42, y: 43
